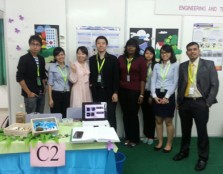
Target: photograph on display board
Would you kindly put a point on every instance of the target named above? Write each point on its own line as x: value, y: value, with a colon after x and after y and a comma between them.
x: 50, y: 39
x: 143, y: 36
x: 167, y: 36
x: 210, y: 38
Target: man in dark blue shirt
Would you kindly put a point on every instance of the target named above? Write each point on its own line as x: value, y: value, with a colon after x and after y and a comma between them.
x: 32, y: 77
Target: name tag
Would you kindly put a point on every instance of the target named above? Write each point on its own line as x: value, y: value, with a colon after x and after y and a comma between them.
x: 128, y: 78
x: 191, y: 91
x: 48, y: 155
x: 38, y: 81
x: 99, y: 78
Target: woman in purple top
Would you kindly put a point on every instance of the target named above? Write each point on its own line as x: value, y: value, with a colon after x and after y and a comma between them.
x: 132, y: 83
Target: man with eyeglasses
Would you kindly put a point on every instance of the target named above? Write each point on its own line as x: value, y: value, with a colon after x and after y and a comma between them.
x: 32, y: 77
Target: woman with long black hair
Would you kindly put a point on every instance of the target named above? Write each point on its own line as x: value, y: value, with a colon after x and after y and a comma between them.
x: 147, y: 107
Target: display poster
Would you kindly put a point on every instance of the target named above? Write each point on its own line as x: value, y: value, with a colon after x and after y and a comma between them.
x: 86, y: 36
x: 167, y: 36
x: 50, y: 39
x: 143, y: 36
x: 210, y: 38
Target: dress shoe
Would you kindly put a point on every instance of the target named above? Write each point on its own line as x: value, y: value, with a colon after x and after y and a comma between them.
x: 150, y: 141
x: 126, y: 143
x: 180, y: 156
x: 145, y: 140
x: 200, y: 165
x: 167, y: 151
x: 157, y: 148
x: 131, y: 145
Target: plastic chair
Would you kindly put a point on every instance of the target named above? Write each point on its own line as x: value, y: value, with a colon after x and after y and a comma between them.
x: 75, y: 113
x: 38, y: 115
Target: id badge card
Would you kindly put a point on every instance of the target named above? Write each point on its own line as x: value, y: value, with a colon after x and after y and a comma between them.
x: 65, y: 89
x: 191, y: 91
x: 99, y: 78
x: 128, y: 78
x: 38, y: 81
x: 162, y: 90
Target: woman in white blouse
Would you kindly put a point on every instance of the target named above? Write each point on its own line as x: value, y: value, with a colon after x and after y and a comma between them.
x: 163, y: 85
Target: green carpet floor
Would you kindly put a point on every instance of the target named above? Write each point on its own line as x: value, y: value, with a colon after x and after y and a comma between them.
x: 142, y: 159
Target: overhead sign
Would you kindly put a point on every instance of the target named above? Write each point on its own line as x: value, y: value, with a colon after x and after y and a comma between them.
x: 190, y: 7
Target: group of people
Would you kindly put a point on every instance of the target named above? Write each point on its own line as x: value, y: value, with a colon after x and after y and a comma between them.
x: 134, y: 81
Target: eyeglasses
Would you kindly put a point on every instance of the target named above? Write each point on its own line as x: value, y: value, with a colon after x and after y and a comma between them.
x: 33, y: 44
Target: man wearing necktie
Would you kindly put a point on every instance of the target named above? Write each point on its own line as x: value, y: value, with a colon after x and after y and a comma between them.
x: 197, y: 90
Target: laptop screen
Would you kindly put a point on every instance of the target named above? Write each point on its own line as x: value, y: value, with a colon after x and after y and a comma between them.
x: 94, y: 111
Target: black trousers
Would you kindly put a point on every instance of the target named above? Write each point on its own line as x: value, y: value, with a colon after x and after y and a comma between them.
x: 61, y: 102
x: 199, y: 111
x: 148, y: 117
x: 130, y: 108
x: 102, y: 95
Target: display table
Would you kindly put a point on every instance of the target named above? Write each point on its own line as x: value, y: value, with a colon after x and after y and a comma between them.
x: 89, y: 158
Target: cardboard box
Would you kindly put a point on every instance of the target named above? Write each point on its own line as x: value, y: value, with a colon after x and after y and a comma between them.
x: 18, y: 129
x: 20, y: 117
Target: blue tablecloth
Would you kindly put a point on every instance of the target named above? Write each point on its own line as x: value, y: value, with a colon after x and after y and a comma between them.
x: 98, y: 161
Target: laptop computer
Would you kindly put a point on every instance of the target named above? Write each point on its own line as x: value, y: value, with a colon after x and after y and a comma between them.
x: 94, y: 114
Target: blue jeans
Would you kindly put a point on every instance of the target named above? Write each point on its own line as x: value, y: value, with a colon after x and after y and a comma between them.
x: 35, y: 104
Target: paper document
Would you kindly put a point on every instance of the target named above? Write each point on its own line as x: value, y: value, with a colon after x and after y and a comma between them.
x: 91, y: 134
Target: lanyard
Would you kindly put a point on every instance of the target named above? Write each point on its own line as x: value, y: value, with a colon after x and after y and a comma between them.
x: 37, y: 64
x: 162, y: 73
x: 63, y: 73
x: 149, y: 71
x: 38, y: 73
x: 192, y: 74
x: 100, y: 66
x: 129, y: 63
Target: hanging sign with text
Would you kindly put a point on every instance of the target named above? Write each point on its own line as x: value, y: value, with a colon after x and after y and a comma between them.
x: 48, y: 155
x: 190, y: 7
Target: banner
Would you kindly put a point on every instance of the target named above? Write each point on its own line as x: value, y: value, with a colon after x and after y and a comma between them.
x: 190, y: 7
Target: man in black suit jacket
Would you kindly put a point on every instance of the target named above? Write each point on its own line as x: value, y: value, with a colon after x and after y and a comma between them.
x: 197, y: 90
x: 104, y: 78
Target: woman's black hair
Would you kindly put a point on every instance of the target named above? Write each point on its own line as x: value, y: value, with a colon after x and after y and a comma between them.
x: 168, y: 49
x: 132, y: 42
x: 83, y: 50
x: 57, y: 51
x: 152, y: 50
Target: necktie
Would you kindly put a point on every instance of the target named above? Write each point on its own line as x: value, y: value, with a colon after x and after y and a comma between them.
x: 190, y: 78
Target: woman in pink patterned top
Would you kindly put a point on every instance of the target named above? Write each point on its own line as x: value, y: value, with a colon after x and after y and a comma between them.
x: 79, y: 76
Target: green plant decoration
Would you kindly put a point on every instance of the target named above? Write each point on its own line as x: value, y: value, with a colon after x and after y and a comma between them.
x: 30, y: 139
x: 170, y: 40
